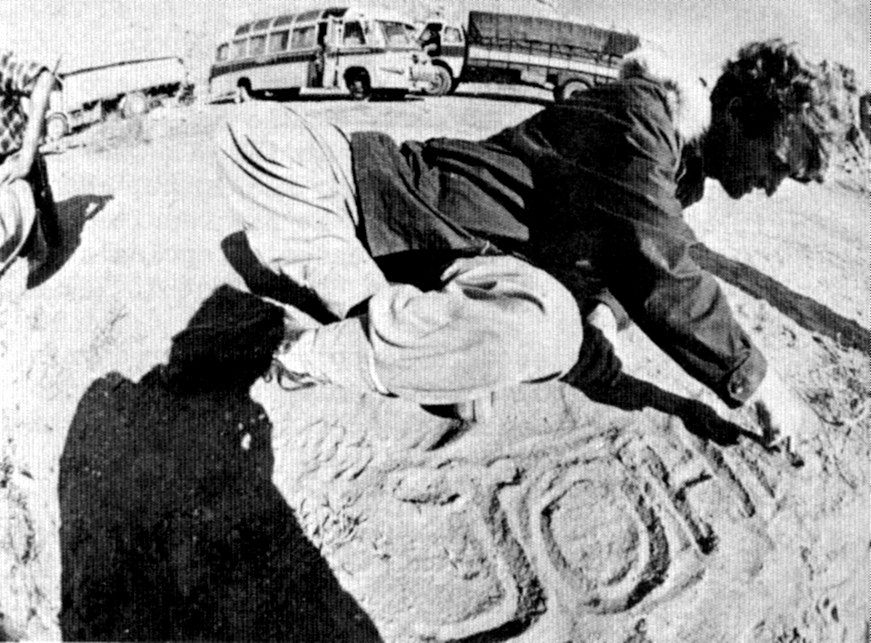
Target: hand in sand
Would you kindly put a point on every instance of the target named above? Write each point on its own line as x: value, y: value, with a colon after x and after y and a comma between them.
x: 781, y: 414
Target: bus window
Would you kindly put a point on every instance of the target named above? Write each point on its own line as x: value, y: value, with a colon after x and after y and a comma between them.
x: 223, y: 53
x: 243, y: 29
x: 278, y: 41
x: 283, y: 20
x: 309, y: 15
x: 452, y: 36
x: 239, y: 48
x: 257, y: 45
x: 396, y: 34
x: 353, y: 36
x: 303, y: 38
x: 260, y: 25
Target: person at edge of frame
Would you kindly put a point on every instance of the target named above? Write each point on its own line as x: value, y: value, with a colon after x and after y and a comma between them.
x: 529, y: 248
x: 25, y: 89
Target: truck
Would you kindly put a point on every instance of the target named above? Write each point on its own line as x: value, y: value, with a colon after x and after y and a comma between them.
x: 561, y: 55
x: 84, y: 96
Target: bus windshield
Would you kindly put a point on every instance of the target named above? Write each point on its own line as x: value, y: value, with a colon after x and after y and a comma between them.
x: 397, y: 35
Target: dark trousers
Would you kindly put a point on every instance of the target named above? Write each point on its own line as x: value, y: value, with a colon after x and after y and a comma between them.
x: 44, y: 200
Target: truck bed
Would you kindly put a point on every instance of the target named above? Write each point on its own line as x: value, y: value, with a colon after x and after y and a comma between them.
x: 504, y: 30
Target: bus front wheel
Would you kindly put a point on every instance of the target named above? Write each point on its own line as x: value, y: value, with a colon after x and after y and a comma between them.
x: 56, y: 127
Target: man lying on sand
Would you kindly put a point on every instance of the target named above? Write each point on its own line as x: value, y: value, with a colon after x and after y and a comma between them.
x: 522, y: 244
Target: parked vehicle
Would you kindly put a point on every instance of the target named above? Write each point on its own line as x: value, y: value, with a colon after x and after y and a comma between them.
x: 503, y: 48
x: 132, y: 86
x: 362, y: 52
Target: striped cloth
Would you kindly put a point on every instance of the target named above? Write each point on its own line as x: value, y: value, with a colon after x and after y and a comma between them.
x: 17, y: 78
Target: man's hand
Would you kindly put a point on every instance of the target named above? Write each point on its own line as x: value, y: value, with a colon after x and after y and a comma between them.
x: 15, y: 167
x: 781, y: 414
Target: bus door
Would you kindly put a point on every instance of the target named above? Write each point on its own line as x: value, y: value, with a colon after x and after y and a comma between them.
x: 332, y: 45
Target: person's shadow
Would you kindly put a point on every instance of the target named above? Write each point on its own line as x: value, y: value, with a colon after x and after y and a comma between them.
x: 633, y: 394
x: 73, y: 214
x: 262, y: 281
x: 630, y: 393
x: 171, y: 527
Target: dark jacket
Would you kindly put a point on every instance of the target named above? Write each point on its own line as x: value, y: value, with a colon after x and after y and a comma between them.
x: 586, y: 190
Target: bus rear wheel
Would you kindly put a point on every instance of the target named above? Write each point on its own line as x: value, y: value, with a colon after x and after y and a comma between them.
x: 564, y: 92
x: 359, y: 86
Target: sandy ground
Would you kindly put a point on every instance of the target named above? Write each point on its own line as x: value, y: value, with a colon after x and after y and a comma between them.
x: 128, y: 512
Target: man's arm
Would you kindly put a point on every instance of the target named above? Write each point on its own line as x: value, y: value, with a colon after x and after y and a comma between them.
x: 18, y: 165
x: 609, y: 217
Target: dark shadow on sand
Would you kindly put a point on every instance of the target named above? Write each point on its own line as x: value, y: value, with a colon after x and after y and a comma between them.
x: 73, y: 213
x: 9, y: 635
x: 172, y: 529
x: 632, y: 394
x: 262, y: 281
x: 804, y: 311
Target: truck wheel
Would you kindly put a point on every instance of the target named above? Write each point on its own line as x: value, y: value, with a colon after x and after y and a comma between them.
x: 442, y: 82
x: 359, y: 87
x: 568, y: 89
x: 56, y: 127
x: 135, y: 104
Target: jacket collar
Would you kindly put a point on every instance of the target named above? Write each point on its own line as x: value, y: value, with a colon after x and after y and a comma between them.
x: 687, y: 92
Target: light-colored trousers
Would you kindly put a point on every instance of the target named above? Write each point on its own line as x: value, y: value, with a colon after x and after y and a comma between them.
x: 494, y: 323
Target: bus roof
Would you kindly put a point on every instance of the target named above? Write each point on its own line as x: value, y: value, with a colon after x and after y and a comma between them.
x: 63, y: 73
x: 357, y: 11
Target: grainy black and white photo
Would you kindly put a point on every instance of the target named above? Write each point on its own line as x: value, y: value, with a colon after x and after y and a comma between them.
x: 435, y: 320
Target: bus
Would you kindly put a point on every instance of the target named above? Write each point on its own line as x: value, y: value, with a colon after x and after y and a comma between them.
x: 365, y: 53
x: 85, y: 96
